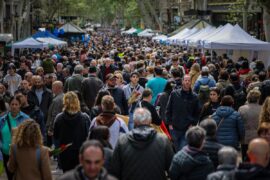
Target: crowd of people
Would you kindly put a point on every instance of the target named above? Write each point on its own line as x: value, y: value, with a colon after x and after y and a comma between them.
x: 130, y: 108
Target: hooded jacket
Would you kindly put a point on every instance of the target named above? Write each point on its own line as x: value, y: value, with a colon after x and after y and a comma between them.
x: 190, y: 164
x: 116, y: 126
x: 142, y: 154
x: 231, y: 129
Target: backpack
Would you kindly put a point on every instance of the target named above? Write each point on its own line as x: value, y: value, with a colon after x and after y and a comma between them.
x: 239, y: 97
x: 204, y: 91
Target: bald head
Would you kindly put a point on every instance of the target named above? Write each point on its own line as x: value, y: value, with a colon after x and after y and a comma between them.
x: 57, y: 87
x: 258, y: 152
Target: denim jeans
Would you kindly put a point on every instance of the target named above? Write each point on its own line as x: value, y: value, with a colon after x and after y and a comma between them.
x: 130, y: 121
x: 178, y: 138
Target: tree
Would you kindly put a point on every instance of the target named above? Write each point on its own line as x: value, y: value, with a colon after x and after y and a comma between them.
x: 266, y: 18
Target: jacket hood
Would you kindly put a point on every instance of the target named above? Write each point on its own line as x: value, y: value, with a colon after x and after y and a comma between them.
x: 224, y: 111
x: 141, y: 136
x: 106, y: 119
x: 71, y: 118
x: 195, y: 156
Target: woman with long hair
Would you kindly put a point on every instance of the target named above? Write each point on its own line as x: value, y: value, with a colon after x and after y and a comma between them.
x: 213, y: 103
x: 71, y: 126
x: 10, y: 120
x: 265, y: 112
x: 29, y: 159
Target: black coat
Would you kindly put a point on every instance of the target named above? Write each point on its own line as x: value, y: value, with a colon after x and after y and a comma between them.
x: 142, y: 154
x: 46, y: 101
x: 119, y: 98
x: 90, y: 88
x: 248, y: 171
x: 182, y: 110
x: 211, y: 148
x: 190, y: 164
x: 71, y: 129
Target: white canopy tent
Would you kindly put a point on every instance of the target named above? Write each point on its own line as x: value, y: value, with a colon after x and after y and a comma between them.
x: 28, y: 43
x: 160, y: 38
x: 71, y: 28
x: 240, y: 42
x: 235, y: 38
x: 188, y: 34
x: 130, y: 31
x: 197, y: 40
x: 195, y: 37
x: 178, y: 35
x: 146, y: 33
x: 53, y: 41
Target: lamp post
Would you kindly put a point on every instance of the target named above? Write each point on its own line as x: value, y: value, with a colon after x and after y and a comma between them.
x: 16, y: 17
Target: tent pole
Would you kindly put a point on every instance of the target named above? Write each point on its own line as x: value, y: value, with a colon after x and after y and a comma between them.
x: 211, y: 55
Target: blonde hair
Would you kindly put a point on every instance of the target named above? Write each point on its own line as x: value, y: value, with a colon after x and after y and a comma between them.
x: 195, y: 67
x: 71, y: 103
x: 28, y: 134
x: 265, y: 112
x: 119, y: 75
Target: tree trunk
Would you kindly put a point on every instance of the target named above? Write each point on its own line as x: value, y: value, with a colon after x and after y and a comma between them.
x: 145, y: 15
x: 154, y: 14
x: 266, y: 23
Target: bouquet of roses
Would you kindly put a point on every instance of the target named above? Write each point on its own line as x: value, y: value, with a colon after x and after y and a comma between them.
x: 57, y: 151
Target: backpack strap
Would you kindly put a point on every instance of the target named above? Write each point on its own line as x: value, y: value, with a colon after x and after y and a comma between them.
x: 14, y: 151
x: 38, y: 157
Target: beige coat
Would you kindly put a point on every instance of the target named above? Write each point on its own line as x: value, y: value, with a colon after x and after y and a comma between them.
x: 250, y: 115
x: 26, y: 166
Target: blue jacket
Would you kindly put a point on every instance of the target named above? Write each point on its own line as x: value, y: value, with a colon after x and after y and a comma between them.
x: 231, y: 130
x: 22, y: 116
x: 204, y: 80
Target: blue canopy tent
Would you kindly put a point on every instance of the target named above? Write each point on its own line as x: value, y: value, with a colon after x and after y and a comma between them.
x: 44, y: 34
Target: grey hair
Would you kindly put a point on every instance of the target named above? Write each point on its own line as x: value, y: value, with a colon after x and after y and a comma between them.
x: 142, y: 116
x: 195, y: 136
x: 78, y: 69
x: 227, y: 155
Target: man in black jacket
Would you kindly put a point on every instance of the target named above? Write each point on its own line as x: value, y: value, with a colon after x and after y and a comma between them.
x: 117, y: 93
x: 40, y: 96
x: 182, y: 112
x: 142, y: 153
x: 211, y: 146
x: 90, y: 87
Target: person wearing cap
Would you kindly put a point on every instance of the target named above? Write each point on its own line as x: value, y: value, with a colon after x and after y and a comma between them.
x: 93, y: 83
x: 204, y: 80
x: 12, y: 79
x: 117, y: 93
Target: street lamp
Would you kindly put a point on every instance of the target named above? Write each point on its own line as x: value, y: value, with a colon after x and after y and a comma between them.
x: 16, y: 17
